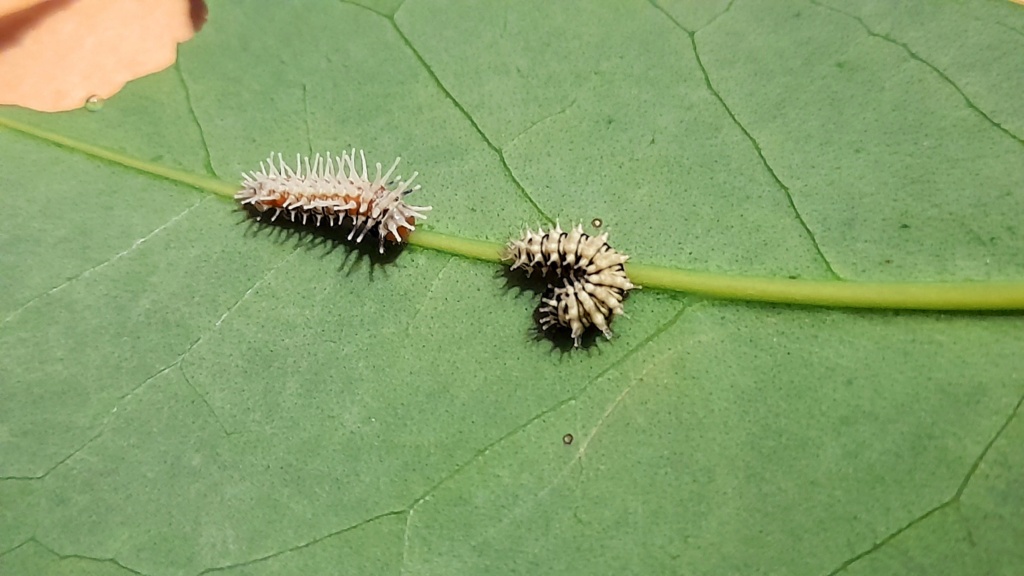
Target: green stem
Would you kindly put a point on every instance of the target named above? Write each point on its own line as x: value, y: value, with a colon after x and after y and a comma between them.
x: 207, y: 183
x: 951, y: 296
x: 963, y: 296
x: 836, y: 293
x: 476, y: 249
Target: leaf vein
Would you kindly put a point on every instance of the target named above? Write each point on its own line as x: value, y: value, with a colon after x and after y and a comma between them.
x: 208, y: 158
x: 303, y: 545
x: 753, y: 141
x: 111, y: 560
x: 951, y: 501
x: 462, y: 110
x: 430, y: 293
x: 101, y: 265
x: 539, y: 122
x: 914, y: 56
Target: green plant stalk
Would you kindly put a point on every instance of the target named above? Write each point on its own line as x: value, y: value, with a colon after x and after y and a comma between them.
x: 948, y: 296
x: 207, y: 183
x: 962, y: 296
x: 953, y: 296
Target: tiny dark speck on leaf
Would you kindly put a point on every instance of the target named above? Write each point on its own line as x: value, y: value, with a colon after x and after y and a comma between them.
x: 904, y: 226
x: 567, y: 439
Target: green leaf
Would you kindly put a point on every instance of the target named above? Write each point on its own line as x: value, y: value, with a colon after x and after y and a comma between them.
x: 184, y: 391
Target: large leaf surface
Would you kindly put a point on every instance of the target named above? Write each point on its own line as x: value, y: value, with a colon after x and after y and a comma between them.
x: 184, y: 392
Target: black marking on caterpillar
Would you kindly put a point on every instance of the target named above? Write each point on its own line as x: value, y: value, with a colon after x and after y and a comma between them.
x: 586, y: 278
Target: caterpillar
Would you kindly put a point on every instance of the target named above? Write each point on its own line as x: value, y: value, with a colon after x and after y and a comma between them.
x: 325, y: 189
x: 587, y: 278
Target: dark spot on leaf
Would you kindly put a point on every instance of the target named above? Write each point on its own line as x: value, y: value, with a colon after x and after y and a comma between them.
x: 567, y: 439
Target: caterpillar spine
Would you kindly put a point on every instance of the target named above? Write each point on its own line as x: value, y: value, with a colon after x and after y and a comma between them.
x: 326, y: 189
x: 587, y: 278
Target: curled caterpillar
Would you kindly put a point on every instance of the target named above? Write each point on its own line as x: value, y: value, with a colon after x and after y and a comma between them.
x: 586, y: 277
x: 325, y: 189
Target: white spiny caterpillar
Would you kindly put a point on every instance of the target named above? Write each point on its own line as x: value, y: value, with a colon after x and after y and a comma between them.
x: 326, y: 189
x: 587, y: 279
